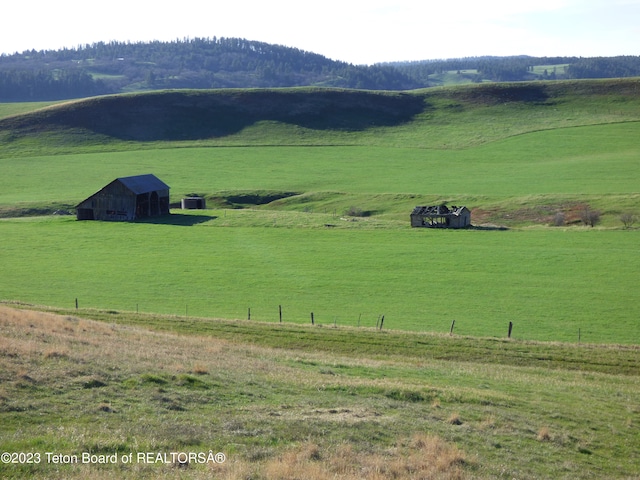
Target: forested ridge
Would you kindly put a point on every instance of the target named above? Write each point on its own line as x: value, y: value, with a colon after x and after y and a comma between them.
x: 116, y: 67
x: 521, y: 68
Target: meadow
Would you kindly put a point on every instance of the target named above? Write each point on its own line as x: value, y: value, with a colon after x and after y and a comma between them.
x: 552, y: 282
x: 159, y: 353
x: 590, y: 161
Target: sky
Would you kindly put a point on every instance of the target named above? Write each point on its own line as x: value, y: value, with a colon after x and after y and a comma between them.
x: 358, y: 32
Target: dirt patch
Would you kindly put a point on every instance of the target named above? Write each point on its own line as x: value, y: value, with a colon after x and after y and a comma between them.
x: 543, y: 214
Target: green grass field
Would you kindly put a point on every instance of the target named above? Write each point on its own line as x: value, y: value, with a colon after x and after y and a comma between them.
x: 551, y: 283
x: 159, y: 356
x: 593, y: 161
x: 9, y: 109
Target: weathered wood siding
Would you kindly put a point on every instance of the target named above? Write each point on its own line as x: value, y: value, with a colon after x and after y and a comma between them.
x: 116, y: 202
x: 441, y: 217
x: 113, y: 202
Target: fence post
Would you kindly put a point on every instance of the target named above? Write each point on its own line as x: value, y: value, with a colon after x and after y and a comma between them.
x: 510, y: 328
x: 381, y: 322
x: 312, y: 322
x: 452, y: 325
x: 280, y: 312
x: 76, y: 303
x: 249, y: 313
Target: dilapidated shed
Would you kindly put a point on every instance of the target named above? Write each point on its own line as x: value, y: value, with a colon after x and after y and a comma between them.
x: 441, y: 216
x: 127, y: 199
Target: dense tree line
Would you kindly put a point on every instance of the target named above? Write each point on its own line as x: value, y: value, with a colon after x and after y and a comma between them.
x: 26, y: 85
x: 496, y: 69
x: 112, y: 67
x: 189, y: 63
x: 605, y: 67
x: 521, y: 68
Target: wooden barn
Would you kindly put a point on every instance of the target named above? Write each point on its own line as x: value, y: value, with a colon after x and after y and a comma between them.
x: 127, y: 199
x: 441, y: 216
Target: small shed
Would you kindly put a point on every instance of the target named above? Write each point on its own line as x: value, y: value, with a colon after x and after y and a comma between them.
x: 127, y: 199
x: 193, y: 203
x: 441, y: 216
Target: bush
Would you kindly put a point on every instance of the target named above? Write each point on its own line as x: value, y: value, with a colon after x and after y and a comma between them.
x: 354, y: 212
x: 559, y: 219
x: 590, y: 217
x: 628, y: 219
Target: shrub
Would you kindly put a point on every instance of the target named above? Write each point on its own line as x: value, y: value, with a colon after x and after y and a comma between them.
x: 590, y: 217
x: 558, y: 219
x: 354, y: 212
x: 628, y: 219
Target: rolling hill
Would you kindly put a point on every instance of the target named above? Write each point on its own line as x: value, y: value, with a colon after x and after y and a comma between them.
x: 453, y: 119
x: 200, y: 115
x: 223, y: 115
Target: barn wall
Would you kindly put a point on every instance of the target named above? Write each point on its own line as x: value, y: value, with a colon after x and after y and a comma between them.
x: 456, y: 222
x: 465, y: 218
x: 164, y: 201
x: 113, y: 202
x: 461, y: 221
x: 416, y: 220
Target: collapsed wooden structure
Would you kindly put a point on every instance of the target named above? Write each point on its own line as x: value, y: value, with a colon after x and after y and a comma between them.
x: 441, y: 216
x: 127, y: 199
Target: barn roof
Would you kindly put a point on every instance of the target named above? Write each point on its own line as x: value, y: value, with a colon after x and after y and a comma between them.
x: 143, y: 183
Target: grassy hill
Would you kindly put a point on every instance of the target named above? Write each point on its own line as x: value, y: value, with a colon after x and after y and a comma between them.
x: 451, y: 117
x: 194, y: 115
x: 467, y: 135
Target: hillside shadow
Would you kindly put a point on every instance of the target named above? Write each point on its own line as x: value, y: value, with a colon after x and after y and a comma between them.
x: 500, y: 93
x: 192, y: 115
x: 178, y: 219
